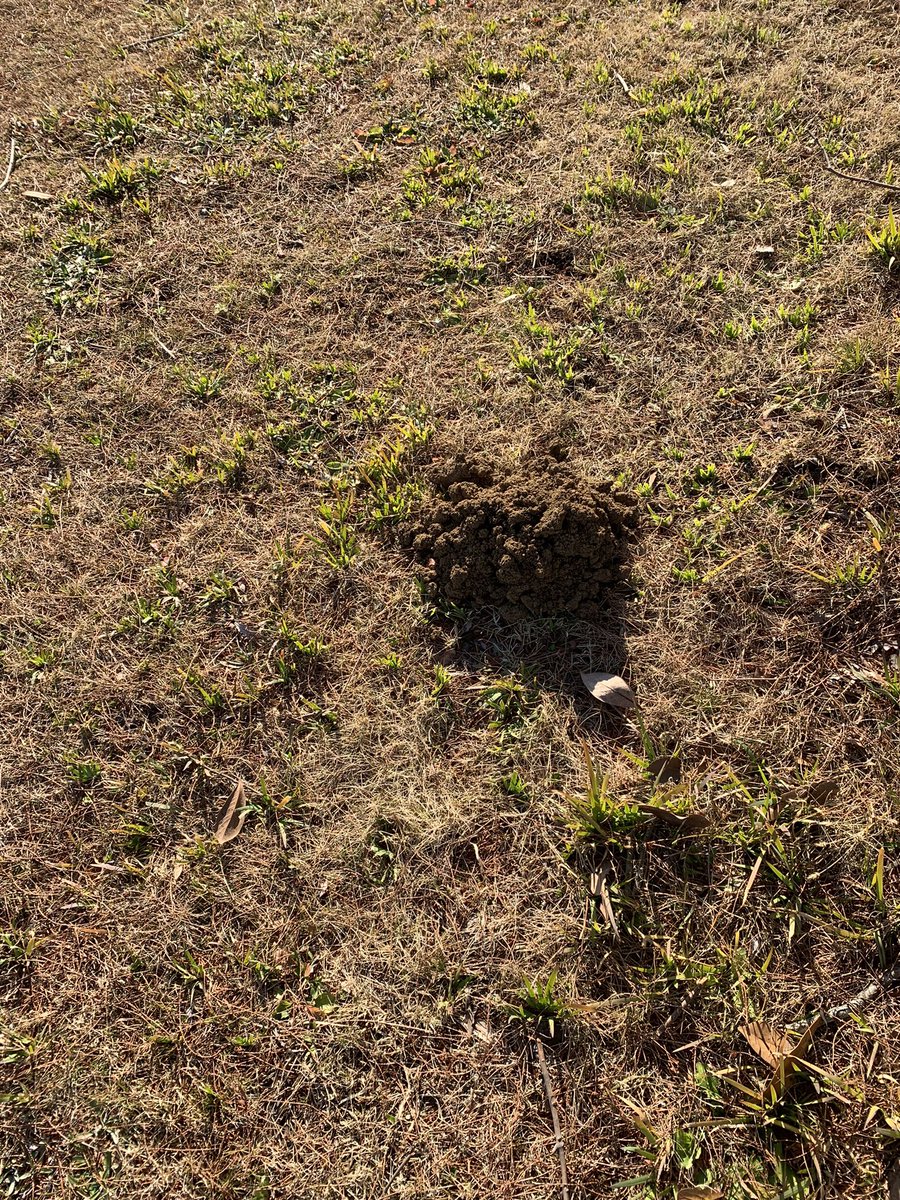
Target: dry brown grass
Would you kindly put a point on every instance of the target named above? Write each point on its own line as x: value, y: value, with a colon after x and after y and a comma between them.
x: 326, y: 1006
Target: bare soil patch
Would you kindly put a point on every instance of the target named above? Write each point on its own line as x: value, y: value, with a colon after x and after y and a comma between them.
x: 530, y: 539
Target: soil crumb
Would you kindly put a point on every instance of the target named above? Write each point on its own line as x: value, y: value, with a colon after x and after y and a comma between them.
x: 532, y: 540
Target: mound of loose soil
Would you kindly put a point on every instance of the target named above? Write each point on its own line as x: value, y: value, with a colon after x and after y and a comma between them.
x: 533, y: 540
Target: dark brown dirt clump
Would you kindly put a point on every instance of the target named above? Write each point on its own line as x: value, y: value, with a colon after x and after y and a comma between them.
x: 534, y: 539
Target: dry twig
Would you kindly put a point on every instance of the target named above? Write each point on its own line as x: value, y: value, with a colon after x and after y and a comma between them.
x: 10, y: 164
x: 158, y: 37
x: 879, y: 183
x: 554, y: 1116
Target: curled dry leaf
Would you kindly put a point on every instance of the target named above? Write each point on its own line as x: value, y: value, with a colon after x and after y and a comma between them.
x: 768, y: 1043
x: 781, y: 1052
x: 232, y: 815
x: 823, y: 791
x: 665, y: 769
x: 791, y: 1065
x: 609, y: 689
x: 684, y: 823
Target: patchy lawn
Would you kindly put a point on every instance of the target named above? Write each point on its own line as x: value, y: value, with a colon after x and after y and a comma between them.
x: 261, y: 271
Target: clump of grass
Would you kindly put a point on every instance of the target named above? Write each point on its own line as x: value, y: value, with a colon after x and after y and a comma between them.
x: 614, y: 192
x: 884, y: 242
x: 889, y: 381
x: 546, y: 354
x: 483, y: 106
x: 219, y: 591
x: 83, y: 773
x: 512, y: 708
x: 229, y: 465
x: 854, y: 576
x: 295, y: 653
x: 539, y: 1005
x: 339, y: 544
x: 852, y: 356
x: 73, y: 268
x: 390, y: 492
x: 47, y: 345
x: 119, y: 180
x: 201, y: 385
x: 463, y: 269
x: 112, y: 125
x: 597, y: 816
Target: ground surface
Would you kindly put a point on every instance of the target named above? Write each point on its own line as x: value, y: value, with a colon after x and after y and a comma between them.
x: 530, y: 538
x: 256, y: 275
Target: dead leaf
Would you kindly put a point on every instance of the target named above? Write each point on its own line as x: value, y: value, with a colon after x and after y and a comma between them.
x: 791, y: 1065
x: 823, y: 791
x: 771, y: 1046
x: 666, y: 768
x: 685, y: 823
x: 695, y: 823
x: 609, y: 689
x: 600, y: 892
x: 699, y: 1193
x: 231, y: 817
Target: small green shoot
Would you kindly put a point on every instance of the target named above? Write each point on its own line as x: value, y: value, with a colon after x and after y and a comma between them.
x: 539, y: 1006
x: 339, y: 545
x: 884, y: 242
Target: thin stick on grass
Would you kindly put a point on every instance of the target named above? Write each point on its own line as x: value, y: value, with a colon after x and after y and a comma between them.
x: 162, y: 345
x: 621, y: 81
x: 879, y: 183
x: 554, y: 1116
x: 158, y: 37
x: 10, y: 164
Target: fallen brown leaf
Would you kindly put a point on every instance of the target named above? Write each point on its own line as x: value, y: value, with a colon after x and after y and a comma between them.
x: 609, y: 689
x: 791, y: 1065
x: 232, y: 815
x: 684, y: 823
x: 771, y: 1046
x: 822, y: 791
x: 665, y: 769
